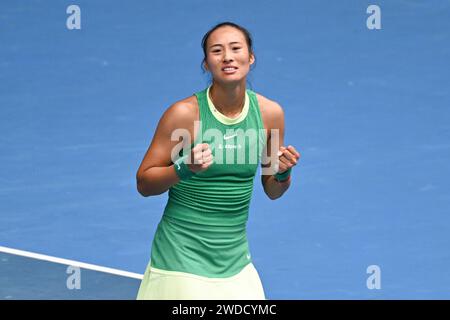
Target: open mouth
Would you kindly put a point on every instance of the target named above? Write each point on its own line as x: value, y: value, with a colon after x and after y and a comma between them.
x: 229, y: 70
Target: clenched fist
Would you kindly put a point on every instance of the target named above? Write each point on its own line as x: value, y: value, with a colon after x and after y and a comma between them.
x: 202, y: 158
x: 287, y: 158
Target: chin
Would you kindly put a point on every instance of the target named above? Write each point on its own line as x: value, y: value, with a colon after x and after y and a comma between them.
x: 230, y: 79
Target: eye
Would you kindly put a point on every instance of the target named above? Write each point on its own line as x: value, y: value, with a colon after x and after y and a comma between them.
x: 236, y: 48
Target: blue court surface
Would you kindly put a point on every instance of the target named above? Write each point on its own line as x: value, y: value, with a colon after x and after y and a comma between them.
x: 369, y: 111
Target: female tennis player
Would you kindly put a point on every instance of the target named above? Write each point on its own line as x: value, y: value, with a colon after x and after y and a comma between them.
x: 200, y: 248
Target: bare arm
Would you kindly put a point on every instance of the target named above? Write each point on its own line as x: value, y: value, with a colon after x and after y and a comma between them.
x: 156, y: 173
x: 273, y: 188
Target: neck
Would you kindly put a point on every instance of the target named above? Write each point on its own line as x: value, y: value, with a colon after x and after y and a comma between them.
x: 229, y: 99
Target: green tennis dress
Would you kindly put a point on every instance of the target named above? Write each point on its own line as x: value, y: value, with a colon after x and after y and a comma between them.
x: 200, y: 249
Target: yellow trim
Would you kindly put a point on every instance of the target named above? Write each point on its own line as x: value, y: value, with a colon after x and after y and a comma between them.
x: 223, y: 118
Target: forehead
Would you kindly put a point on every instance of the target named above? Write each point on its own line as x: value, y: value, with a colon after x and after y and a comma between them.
x: 225, y: 35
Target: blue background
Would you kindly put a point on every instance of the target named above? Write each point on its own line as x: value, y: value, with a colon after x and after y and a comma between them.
x: 367, y: 109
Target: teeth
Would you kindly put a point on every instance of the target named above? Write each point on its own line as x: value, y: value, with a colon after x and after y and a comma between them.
x: 228, y: 69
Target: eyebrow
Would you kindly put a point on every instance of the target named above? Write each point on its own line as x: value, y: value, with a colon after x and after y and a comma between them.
x: 218, y: 44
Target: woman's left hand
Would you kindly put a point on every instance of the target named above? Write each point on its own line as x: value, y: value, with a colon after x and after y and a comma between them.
x: 287, y: 158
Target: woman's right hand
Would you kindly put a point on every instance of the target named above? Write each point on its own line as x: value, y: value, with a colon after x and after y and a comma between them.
x: 202, y: 158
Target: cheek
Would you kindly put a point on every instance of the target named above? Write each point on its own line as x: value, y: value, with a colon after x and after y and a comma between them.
x: 245, y: 60
x: 214, y: 61
x: 245, y: 64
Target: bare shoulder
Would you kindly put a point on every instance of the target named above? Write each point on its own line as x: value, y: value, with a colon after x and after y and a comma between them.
x: 271, y: 111
x: 184, y: 110
x: 179, y: 115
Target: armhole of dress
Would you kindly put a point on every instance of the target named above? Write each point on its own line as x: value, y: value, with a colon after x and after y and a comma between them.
x: 262, y: 134
x: 199, y: 119
x: 180, y: 153
x: 258, y: 110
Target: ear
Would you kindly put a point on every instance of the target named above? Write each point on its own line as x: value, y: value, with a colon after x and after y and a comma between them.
x: 252, y: 58
x: 206, y: 66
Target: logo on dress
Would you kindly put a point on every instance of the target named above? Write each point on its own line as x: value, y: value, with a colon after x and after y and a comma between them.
x: 230, y: 146
x: 225, y: 137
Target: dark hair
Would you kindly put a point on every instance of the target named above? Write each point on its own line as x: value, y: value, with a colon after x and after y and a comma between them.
x: 247, y: 35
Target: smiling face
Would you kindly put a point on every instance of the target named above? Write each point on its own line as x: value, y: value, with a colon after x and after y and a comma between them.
x: 227, y: 55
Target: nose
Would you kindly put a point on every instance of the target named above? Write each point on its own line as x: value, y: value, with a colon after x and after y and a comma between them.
x: 226, y: 56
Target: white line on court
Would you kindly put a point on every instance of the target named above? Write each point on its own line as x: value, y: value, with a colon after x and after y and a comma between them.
x: 71, y: 263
